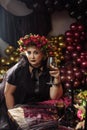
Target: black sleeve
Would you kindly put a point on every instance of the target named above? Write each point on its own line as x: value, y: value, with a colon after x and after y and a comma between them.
x: 17, y: 72
x: 12, y: 75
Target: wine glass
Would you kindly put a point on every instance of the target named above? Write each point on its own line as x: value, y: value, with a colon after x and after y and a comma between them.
x: 51, y: 64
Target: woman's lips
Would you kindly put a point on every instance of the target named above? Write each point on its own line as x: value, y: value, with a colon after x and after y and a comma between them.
x: 33, y: 60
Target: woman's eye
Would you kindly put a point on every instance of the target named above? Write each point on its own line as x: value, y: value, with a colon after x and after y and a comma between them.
x: 29, y: 52
x: 36, y: 52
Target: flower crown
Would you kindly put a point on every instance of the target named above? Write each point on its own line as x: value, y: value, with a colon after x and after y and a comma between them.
x: 37, y: 40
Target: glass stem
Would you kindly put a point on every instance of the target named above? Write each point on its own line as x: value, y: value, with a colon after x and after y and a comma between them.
x: 51, y: 79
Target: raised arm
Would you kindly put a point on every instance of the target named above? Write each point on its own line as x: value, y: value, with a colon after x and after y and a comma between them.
x: 56, y: 91
x: 8, y: 92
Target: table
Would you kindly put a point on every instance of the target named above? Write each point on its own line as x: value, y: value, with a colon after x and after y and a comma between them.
x: 20, y: 117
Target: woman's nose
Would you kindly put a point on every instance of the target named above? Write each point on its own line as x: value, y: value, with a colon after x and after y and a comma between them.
x: 32, y: 56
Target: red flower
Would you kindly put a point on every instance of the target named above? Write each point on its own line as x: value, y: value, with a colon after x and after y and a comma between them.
x: 40, y: 41
x: 26, y: 41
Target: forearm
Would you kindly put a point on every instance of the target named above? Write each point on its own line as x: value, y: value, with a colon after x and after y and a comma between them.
x: 56, y: 91
x: 8, y: 92
x: 9, y: 101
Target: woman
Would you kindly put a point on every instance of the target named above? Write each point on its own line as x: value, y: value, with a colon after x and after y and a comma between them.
x: 27, y: 80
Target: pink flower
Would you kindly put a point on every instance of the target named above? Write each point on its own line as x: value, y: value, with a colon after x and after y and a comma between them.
x: 80, y: 114
x: 39, y: 45
x: 21, y: 49
x: 21, y: 38
x: 27, y: 41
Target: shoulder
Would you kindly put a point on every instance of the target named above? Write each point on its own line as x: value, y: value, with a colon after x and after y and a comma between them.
x: 15, y: 74
x: 14, y: 70
x: 20, y: 65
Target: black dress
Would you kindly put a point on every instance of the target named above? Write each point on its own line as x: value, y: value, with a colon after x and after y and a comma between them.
x: 19, y: 75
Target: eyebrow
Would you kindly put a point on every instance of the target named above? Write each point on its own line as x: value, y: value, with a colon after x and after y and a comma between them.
x: 34, y: 51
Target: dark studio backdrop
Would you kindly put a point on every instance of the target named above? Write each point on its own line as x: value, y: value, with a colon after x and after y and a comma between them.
x: 12, y: 27
x: 37, y: 17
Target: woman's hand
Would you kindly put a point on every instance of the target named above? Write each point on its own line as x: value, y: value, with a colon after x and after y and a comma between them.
x: 55, y: 72
x: 56, y: 91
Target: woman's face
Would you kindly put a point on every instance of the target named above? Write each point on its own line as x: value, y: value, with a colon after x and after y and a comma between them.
x: 34, y: 56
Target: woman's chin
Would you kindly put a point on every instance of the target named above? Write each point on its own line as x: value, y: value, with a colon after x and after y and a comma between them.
x: 35, y: 65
